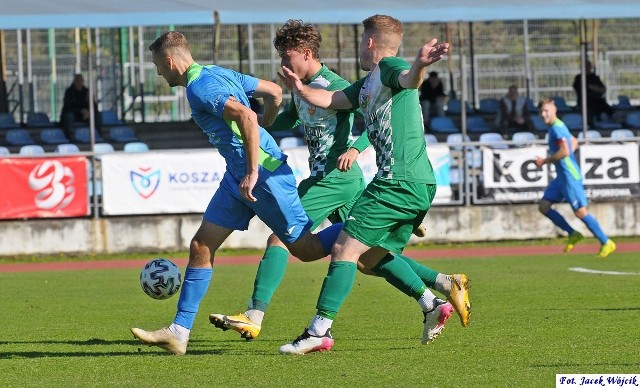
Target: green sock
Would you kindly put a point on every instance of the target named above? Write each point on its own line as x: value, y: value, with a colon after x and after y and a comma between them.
x: 270, y: 273
x: 425, y: 273
x: 335, y: 288
x: 400, y: 275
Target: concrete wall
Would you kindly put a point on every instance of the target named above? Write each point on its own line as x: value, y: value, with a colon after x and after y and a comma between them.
x: 174, y: 232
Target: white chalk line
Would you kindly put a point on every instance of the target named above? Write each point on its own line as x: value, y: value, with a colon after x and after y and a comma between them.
x: 595, y: 271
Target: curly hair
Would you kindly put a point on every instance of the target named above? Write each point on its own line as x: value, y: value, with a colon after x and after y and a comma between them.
x: 297, y: 35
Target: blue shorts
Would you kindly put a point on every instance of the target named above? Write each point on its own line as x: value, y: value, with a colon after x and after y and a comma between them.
x: 277, y: 205
x: 571, y: 192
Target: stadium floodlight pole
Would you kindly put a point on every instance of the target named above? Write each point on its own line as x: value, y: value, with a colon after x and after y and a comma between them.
x: 92, y: 124
x: 583, y: 73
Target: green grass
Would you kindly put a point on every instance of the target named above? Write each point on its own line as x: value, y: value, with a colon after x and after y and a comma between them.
x: 532, y: 318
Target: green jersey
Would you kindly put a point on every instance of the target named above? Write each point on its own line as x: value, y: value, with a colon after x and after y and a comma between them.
x: 393, y: 121
x: 326, y: 132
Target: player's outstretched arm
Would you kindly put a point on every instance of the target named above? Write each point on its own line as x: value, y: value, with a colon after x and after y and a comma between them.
x: 321, y: 98
x: 428, y: 54
x: 271, y: 94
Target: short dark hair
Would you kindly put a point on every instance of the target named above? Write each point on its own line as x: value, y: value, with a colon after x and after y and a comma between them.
x: 433, y: 74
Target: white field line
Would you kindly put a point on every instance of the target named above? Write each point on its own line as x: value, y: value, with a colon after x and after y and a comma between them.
x: 587, y: 270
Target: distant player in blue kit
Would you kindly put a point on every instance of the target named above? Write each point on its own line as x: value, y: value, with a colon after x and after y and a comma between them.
x: 567, y: 186
x: 257, y: 180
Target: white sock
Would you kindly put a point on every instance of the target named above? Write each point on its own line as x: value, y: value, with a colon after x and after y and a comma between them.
x: 180, y: 332
x: 443, y: 284
x: 255, y: 315
x: 319, y: 325
x: 427, y: 300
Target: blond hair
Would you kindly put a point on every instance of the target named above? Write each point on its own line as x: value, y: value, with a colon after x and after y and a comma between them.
x: 385, y: 30
x: 170, y: 42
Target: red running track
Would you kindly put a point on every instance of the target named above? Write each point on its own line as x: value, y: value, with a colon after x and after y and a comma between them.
x: 416, y: 253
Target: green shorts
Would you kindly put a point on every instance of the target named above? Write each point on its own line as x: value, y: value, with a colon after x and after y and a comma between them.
x: 388, y: 211
x: 329, y: 198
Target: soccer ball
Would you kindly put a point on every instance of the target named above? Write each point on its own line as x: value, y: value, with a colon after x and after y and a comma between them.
x: 160, y: 279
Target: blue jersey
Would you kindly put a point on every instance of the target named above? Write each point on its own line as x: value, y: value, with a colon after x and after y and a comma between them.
x: 208, y: 89
x: 567, y: 169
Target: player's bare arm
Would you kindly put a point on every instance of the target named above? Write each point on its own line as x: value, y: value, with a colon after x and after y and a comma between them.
x: 563, y: 152
x: 271, y: 94
x: 321, y: 98
x: 428, y: 54
x: 247, y: 122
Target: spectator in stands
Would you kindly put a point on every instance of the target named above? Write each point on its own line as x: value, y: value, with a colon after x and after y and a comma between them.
x: 513, y: 114
x: 596, y: 103
x: 75, y: 108
x: 432, y: 96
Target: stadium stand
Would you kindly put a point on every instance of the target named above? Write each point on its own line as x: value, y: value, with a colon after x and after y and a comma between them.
x: 430, y: 139
x: 83, y: 135
x: 493, y: 140
x: 591, y: 134
x: 4, y: 151
x: 573, y: 121
x: 136, y: 146
x: 443, y: 125
x: 103, y: 148
x: 7, y: 121
x: 32, y: 149
x: 522, y: 139
x: 122, y: 134
x: 477, y: 124
x: 53, y: 136
x: 633, y: 120
x: 67, y: 148
x: 19, y: 137
x: 620, y: 134
x: 38, y: 120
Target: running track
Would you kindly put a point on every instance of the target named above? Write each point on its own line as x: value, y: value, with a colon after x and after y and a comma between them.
x: 420, y: 254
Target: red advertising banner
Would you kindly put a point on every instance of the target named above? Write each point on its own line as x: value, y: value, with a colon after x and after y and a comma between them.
x: 43, y: 188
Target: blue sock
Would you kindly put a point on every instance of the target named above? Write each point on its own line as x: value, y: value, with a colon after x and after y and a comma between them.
x: 558, y: 220
x: 595, y: 228
x: 329, y: 236
x: 195, y: 285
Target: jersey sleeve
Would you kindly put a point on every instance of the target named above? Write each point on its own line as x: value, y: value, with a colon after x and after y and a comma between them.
x: 353, y: 92
x: 390, y: 70
x: 361, y: 142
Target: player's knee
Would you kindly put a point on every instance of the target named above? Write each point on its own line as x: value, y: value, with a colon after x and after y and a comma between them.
x: 544, y: 206
x: 273, y: 240
x: 581, y: 212
x: 200, y: 253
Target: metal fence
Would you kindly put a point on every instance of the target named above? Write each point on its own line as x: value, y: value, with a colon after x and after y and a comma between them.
x: 541, y: 57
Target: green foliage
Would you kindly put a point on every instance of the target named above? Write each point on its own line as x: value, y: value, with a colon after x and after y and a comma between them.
x: 532, y: 318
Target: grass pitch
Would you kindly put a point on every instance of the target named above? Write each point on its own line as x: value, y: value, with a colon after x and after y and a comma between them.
x: 531, y: 318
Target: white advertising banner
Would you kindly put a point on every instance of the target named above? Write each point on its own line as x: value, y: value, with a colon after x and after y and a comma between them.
x: 608, y: 171
x: 156, y: 183
x: 439, y: 156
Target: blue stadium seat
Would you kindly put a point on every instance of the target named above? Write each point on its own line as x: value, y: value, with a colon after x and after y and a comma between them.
x: 523, y: 138
x: 136, y: 146
x: 443, y: 125
x: 573, y: 121
x: 38, y: 120
x: 489, y: 106
x: 454, y: 140
x: 561, y: 104
x: 532, y: 107
x: 633, y: 120
x: 7, y: 121
x: 53, y: 136
x: 493, y: 140
x: 538, y: 123
x: 110, y: 118
x: 67, y: 149
x: 32, y: 149
x: 454, y: 107
x: 477, y: 124
x: 620, y: 134
x: 103, y: 148
x: 83, y: 135
x: 4, y: 151
x: 430, y: 139
x: 591, y: 134
x: 623, y: 104
x: 122, y: 134
x: 19, y: 137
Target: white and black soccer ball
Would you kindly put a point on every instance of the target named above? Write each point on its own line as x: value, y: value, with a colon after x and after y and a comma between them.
x: 160, y: 279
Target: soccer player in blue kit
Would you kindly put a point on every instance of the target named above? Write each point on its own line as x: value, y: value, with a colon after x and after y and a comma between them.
x: 567, y: 186
x: 257, y: 180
